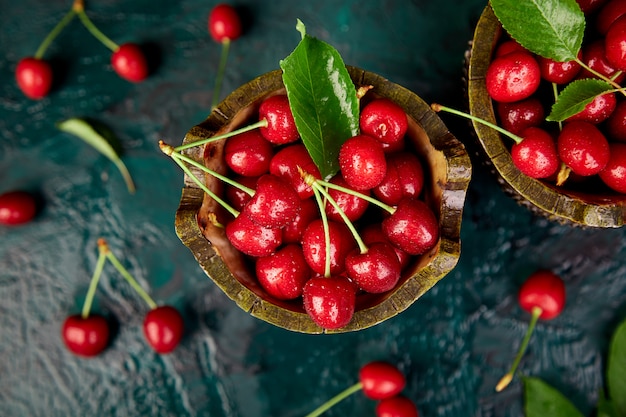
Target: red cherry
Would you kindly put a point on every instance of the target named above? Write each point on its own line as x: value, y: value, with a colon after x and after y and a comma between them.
x: 583, y: 148
x: 559, y: 72
x: 330, y: 302
x: 129, y: 62
x: 616, y: 123
x: 33, y: 77
x: 85, y: 336
x: 404, y: 178
x: 373, y: 233
x: 384, y: 120
x: 314, y: 246
x: 17, y: 207
x: 594, y: 56
x: 614, y: 174
x: 281, y: 127
x: 224, y: 23
x: 274, y: 204
x: 543, y: 289
x: 237, y: 197
x: 398, y: 406
x: 377, y: 270
x: 600, y: 109
x: 381, y: 380
x: 309, y: 211
x: 284, y: 273
x: 536, y: 155
x: 362, y: 161
x: 615, y: 44
x: 513, y: 77
x: 413, y: 227
x: 517, y: 116
x: 609, y: 13
x: 163, y: 327
x: 286, y: 162
x: 248, y: 153
x: 507, y: 47
x: 252, y: 239
x: 588, y: 6
x: 352, y: 206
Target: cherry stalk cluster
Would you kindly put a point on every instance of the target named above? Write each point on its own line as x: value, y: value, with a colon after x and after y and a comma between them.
x: 34, y: 75
x: 322, y: 240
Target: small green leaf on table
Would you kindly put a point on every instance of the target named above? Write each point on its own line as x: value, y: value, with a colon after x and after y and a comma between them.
x: 322, y: 98
x: 551, y: 28
x: 88, y: 133
x: 573, y: 98
x: 542, y: 400
x: 616, y: 370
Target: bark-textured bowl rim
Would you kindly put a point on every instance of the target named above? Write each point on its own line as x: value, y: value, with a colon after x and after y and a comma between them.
x: 449, y: 174
x: 559, y: 204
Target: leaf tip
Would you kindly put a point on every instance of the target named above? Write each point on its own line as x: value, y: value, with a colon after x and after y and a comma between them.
x: 301, y: 28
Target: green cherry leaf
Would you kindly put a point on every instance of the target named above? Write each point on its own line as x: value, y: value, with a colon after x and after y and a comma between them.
x: 541, y: 400
x: 616, y: 369
x: 322, y: 98
x: 605, y: 407
x: 551, y: 28
x: 99, y: 138
x: 573, y: 98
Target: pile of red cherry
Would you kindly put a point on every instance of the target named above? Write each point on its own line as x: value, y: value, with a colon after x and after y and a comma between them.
x: 371, y: 212
x: 590, y: 144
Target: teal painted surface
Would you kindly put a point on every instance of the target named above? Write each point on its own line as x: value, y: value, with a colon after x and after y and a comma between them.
x: 453, y: 344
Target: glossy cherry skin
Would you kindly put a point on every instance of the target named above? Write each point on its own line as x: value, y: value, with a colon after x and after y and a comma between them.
x: 518, y: 116
x: 314, y: 246
x: 398, y: 406
x: 362, y: 161
x: 252, y: 239
x: 589, y: 6
x: 330, y: 302
x: 17, y: 207
x: 86, y: 337
x: 536, y: 155
x: 224, y: 23
x: 616, y: 123
x: 281, y: 126
x: 163, y: 328
x: 381, y: 380
x: 236, y: 197
x: 275, y: 203
x: 286, y: 162
x: 609, y: 13
x: 129, y: 62
x: 600, y: 109
x: 583, y: 148
x: 352, y: 206
x: 248, y: 153
x: 377, y: 270
x: 594, y: 56
x: 543, y: 289
x: 384, y: 120
x: 513, y: 77
x: 34, y: 77
x: 283, y: 273
x: 413, y: 227
x: 614, y: 174
x: 615, y: 44
x: 507, y: 47
x: 309, y: 211
x: 404, y: 178
x: 373, y: 233
x: 559, y: 72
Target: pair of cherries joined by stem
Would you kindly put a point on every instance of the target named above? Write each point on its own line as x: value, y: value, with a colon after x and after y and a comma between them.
x: 34, y: 75
x: 312, y: 238
x: 379, y: 381
x: 89, y: 334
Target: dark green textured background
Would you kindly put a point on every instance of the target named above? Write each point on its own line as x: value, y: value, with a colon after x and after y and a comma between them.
x: 453, y: 344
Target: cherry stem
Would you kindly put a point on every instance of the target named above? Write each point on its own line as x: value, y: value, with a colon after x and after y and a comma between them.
x: 321, y: 204
x: 80, y: 11
x: 336, y: 399
x: 555, y: 92
x: 260, y: 123
x: 508, y: 377
x: 176, y: 157
x: 54, y: 33
x: 346, y: 220
x: 104, y: 249
x: 365, y: 197
x: 438, y: 107
x: 601, y: 76
x: 93, y: 285
x: 220, y: 72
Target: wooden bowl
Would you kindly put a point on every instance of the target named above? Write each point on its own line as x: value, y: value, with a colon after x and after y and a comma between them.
x: 448, y: 171
x: 591, y: 205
